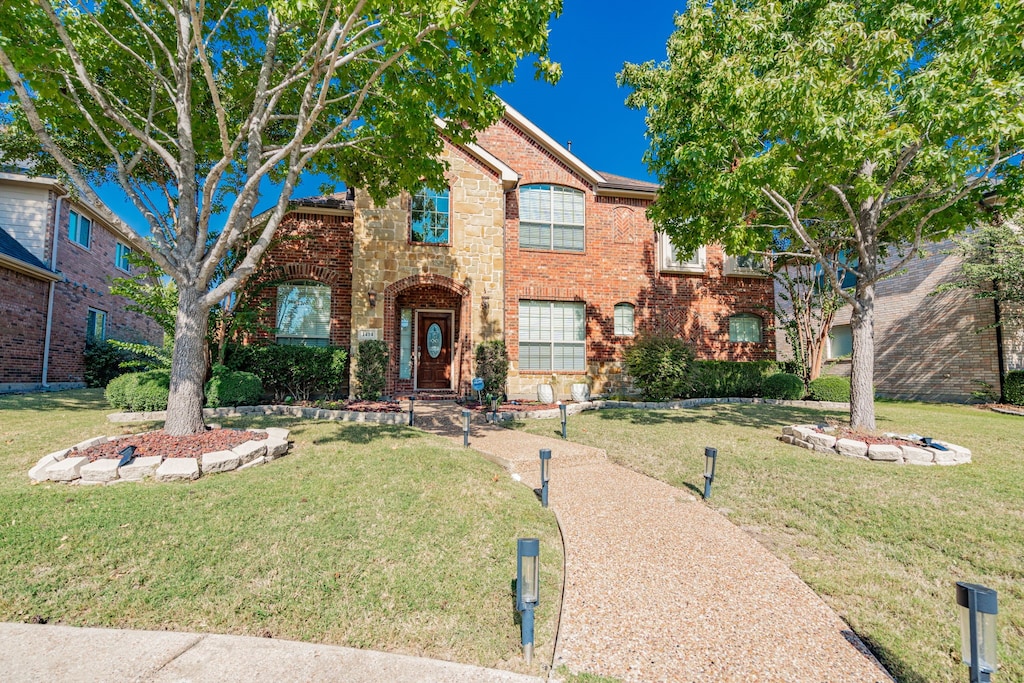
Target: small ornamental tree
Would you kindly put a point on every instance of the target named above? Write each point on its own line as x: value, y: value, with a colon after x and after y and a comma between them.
x: 192, y: 107
x: 869, y: 128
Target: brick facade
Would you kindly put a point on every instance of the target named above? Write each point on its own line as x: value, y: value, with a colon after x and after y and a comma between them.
x: 22, y: 328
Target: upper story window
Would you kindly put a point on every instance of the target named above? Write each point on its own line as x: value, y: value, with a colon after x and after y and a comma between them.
x: 673, y: 260
x: 551, y: 217
x: 746, y: 265
x: 303, y: 314
x: 624, y: 320
x: 79, y: 229
x: 121, y: 257
x: 96, y: 326
x: 429, y: 217
x: 745, y: 327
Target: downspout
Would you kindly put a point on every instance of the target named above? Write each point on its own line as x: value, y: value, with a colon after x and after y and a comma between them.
x: 49, y: 301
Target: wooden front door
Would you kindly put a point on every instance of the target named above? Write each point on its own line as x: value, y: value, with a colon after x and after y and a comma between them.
x: 434, y: 347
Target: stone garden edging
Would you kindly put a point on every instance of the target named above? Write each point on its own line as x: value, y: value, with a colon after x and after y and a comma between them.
x: 65, y: 467
x: 911, y: 453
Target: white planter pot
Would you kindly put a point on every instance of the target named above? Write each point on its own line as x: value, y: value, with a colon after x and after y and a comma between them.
x: 545, y: 393
x: 580, y: 392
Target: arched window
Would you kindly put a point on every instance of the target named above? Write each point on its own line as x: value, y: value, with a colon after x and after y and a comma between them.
x: 551, y: 217
x: 624, y: 320
x: 303, y: 313
x: 745, y: 327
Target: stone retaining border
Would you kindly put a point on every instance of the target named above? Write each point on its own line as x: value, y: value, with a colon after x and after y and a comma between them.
x: 911, y: 453
x: 59, y: 467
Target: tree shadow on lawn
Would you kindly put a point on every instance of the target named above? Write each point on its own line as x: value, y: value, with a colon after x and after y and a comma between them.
x: 71, y: 399
x: 896, y: 667
x: 756, y: 415
x: 363, y: 434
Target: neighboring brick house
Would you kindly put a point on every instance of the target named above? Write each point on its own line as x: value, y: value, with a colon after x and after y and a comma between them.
x: 53, y: 299
x: 929, y: 347
x: 527, y: 244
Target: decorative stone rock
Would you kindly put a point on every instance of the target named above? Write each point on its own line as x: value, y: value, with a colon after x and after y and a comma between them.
x: 787, y: 438
x: 277, y: 433
x: 580, y: 392
x: 99, y: 471
x: 68, y: 469
x: 221, y: 461
x: 89, y: 443
x: 852, y: 448
x: 788, y: 431
x: 250, y: 450
x: 803, y: 444
x: 803, y: 433
x: 885, y: 452
x: 826, y: 441
x: 275, y: 447
x: 917, y: 456
x: 140, y: 468
x: 948, y: 457
x: 178, y: 469
x: 60, y: 455
x: 38, y: 473
x: 253, y: 463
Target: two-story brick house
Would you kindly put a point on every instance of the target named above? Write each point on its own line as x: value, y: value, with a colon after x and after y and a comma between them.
x: 527, y: 244
x: 57, y: 258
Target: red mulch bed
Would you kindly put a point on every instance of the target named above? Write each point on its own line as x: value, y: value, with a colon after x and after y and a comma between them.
x: 355, y: 405
x: 870, y: 439
x: 164, y: 445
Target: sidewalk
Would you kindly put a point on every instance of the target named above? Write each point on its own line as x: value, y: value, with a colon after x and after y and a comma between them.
x: 31, y: 654
x: 660, y: 587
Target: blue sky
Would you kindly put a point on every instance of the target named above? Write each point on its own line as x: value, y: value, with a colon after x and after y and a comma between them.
x: 591, y: 39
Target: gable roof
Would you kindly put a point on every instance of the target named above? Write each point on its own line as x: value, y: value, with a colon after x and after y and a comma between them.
x: 618, y: 182
x: 16, y: 257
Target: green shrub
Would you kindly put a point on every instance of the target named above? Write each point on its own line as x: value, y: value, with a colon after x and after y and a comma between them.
x: 830, y: 388
x: 729, y: 379
x: 492, y: 366
x: 1013, y: 387
x: 140, y: 391
x: 371, y: 369
x: 297, y: 371
x: 232, y: 388
x: 659, y: 365
x: 784, y: 385
x: 103, y: 362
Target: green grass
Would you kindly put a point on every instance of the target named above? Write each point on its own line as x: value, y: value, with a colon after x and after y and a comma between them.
x: 883, y: 544
x: 366, y: 536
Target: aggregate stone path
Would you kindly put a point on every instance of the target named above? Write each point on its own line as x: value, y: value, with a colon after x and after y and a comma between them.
x: 658, y: 586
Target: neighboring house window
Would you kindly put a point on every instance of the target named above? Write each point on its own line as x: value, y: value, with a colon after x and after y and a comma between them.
x: 551, y: 217
x: 429, y: 217
x: 552, y: 335
x: 748, y: 264
x: 79, y: 229
x: 745, y: 327
x: 624, y: 320
x: 303, y: 314
x: 676, y: 261
x: 840, y: 339
x: 96, y: 326
x: 121, y: 257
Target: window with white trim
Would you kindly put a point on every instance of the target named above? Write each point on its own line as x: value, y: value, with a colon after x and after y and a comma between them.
x: 746, y: 265
x: 624, y: 320
x: 79, y: 229
x: 551, y: 217
x: 552, y: 335
x: 429, y: 217
x: 304, y: 314
x: 674, y: 260
x: 840, y: 341
x: 745, y: 327
x: 96, y: 326
x: 121, y: 257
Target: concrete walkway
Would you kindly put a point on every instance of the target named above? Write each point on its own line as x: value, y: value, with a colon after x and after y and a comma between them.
x: 660, y: 587
x: 31, y: 654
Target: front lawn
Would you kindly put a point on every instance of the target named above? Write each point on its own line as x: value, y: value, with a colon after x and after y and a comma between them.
x: 883, y: 544
x: 366, y: 536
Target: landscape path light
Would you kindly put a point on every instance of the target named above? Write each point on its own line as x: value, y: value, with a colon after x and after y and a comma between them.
x: 494, y: 409
x: 710, y: 456
x: 527, y: 588
x: 545, y: 474
x: 562, y: 409
x: 412, y: 409
x: 978, y: 608
x: 466, y: 414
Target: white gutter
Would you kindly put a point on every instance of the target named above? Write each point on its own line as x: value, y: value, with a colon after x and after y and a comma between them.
x: 49, y: 302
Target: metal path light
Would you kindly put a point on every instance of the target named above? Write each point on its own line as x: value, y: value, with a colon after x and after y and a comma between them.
x: 545, y: 474
x: 412, y: 409
x: 710, y: 456
x: 978, y: 608
x: 527, y: 588
x: 465, y: 426
x: 562, y: 409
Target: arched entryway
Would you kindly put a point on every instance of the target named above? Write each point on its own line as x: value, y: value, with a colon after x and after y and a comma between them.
x: 427, y: 328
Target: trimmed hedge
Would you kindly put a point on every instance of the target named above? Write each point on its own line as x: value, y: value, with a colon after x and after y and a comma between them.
x: 232, y: 388
x: 139, y: 391
x: 103, y: 362
x: 1013, y: 387
x: 371, y: 369
x: 784, y: 385
x: 729, y: 379
x: 492, y: 367
x: 297, y: 371
x: 659, y: 365
x: 830, y: 388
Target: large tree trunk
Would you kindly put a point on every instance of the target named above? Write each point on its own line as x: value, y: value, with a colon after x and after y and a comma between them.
x: 188, y: 365
x: 862, y: 367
